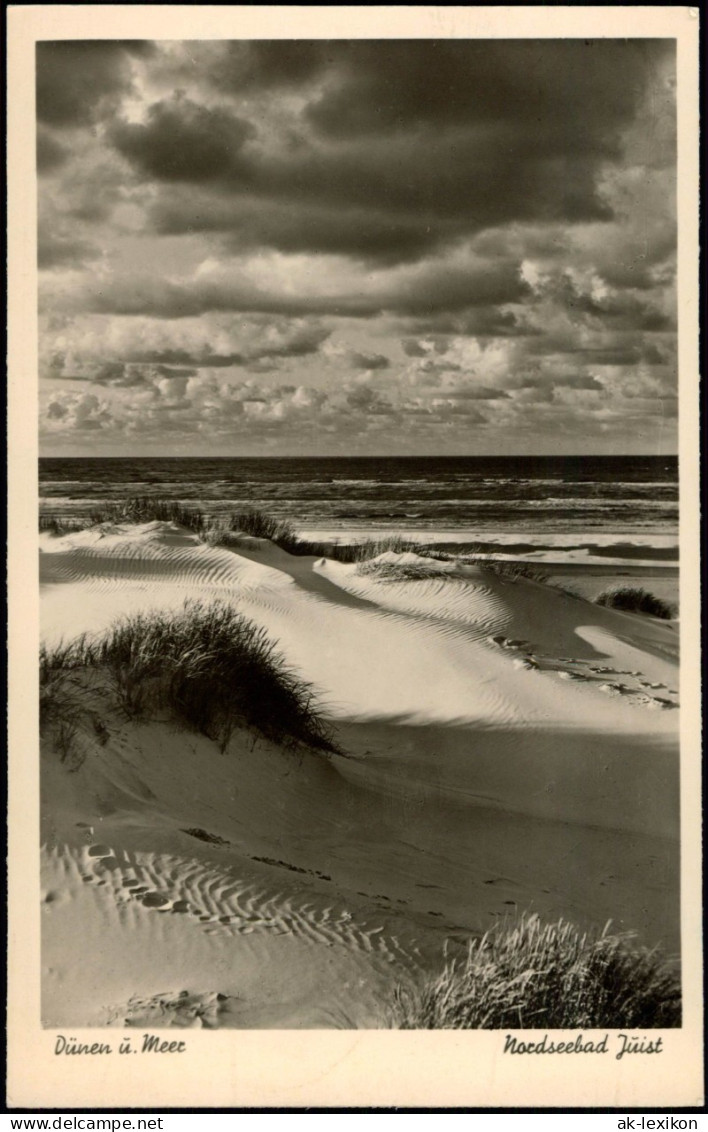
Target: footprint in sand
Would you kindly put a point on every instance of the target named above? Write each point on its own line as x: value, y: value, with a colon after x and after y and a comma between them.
x: 54, y: 897
x: 525, y: 662
x: 108, y: 863
x: 509, y: 643
x: 155, y: 900
x: 184, y: 1009
x: 99, y: 851
x: 571, y: 676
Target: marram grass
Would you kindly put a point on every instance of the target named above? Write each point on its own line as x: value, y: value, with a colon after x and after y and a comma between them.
x: 205, y: 667
x: 529, y: 975
x: 634, y: 599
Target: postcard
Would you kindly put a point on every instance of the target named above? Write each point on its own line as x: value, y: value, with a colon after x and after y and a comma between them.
x: 354, y: 733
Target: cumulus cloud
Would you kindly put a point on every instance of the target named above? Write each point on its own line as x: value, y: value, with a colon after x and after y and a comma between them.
x: 82, y: 412
x: 108, y: 351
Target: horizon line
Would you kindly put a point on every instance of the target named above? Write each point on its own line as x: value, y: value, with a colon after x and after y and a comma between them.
x: 372, y: 456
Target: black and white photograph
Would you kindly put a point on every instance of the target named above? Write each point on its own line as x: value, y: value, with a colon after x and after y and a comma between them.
x: 359, y: 599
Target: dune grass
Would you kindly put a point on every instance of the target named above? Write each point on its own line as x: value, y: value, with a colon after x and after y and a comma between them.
x: 138, y: 509
x: 636, y: 600
x: 60, y: 526
x: 434, y: 566
x: 512, y: 569
x: 528, y: 975
x: 386, y: 571
x: 69, y: 710
x: 261, y: 525
x: 205, y: 667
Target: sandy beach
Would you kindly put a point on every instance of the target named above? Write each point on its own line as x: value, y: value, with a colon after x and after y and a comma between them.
x: 504, y: 746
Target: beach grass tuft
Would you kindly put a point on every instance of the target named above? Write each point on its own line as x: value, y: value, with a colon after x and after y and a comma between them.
x: 137, y: 509
x: 205, y: 666
x: 512, y: 569
x: 434, y: 566
x: 384, y: 570
x: 54, y: 525
x: 527, y: 975
x: 68, y: 710
x: 259, y: 524
x: 636, y: 600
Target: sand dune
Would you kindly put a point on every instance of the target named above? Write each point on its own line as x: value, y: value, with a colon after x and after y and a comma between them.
x: 505, y: 746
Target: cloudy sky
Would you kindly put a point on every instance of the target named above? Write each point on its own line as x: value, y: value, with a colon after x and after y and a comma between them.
x: 341, y: 247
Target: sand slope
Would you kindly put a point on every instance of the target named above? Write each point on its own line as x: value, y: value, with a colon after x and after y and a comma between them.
x: 508, y: 746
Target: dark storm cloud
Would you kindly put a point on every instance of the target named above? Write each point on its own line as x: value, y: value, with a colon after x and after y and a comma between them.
x: 184, y: 141
x: 260, y: 65
x: 548, y: 86
x: 248, y: 222
x: 74, y: 77
x: 433, y: 141
x: 414, y: 191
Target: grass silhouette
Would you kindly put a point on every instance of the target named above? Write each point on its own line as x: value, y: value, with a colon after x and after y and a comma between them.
x: 636, y: 600
x: 529, y: 975
x: 206, y: 667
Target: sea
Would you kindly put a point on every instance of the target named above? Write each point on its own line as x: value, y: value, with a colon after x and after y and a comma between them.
x: 594, y: 507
